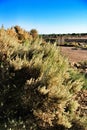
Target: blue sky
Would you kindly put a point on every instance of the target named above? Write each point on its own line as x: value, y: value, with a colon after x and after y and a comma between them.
x: 47, y: 16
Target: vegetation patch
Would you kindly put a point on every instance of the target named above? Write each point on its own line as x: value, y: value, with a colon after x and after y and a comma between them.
x: 38, y: 88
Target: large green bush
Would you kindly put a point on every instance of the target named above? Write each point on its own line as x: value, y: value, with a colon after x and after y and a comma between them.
x: 37, y: 89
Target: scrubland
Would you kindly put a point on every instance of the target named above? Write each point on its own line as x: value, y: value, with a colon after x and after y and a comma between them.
x: 39, y: 89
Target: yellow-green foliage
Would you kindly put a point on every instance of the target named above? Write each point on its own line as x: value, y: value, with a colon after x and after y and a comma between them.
x: 37, y: 89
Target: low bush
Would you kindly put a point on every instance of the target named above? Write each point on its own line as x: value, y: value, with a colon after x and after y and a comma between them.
x: 37, y: 89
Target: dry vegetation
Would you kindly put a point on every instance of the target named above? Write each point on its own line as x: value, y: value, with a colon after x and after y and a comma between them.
x: 38, y: 88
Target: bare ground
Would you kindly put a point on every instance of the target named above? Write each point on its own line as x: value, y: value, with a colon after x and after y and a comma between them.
x: 73, y: 54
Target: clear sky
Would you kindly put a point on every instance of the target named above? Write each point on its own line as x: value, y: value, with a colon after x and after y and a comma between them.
x: 47, y: 16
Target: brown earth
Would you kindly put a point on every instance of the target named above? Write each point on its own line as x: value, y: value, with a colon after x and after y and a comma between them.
x: 74, y: 55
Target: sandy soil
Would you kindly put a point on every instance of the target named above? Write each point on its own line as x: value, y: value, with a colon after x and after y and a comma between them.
x: 73, y: 54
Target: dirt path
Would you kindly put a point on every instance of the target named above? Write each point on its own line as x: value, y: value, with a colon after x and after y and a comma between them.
x: 73, y: 54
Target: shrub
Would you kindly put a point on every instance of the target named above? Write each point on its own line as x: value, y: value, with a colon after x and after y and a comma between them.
x: 37, y: 89
x: 82, y: 68
x: 34, y: 33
